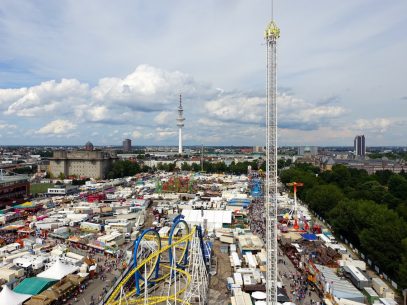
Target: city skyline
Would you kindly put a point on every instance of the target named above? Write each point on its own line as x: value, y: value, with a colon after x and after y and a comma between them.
x: 73, y: 72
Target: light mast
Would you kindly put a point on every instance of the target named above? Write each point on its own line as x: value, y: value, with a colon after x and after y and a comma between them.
x: 271, y: 34
x: 180, y: 124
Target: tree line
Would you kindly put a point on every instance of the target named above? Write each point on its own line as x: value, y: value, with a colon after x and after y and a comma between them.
x: 124, y: 168
x: 370, y: 211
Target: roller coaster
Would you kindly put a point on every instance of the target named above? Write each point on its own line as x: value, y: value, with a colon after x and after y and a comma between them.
x: 169, y: 270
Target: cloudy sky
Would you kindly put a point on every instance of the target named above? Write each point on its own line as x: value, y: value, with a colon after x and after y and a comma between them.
x: 101, y: 70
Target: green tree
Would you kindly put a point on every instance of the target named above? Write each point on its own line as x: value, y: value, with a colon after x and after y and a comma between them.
x: 344, y: 219
x: 401, y: 209
x: 124, y: 168
x: 368, y: 210
x: 323, y: 198
x: 383, y: 176
x: 398, y: 187
x: 341, y: 175
x: 382, y: 239
x: 370, y: 190
x: 185, y: 166
x: 403, y: 264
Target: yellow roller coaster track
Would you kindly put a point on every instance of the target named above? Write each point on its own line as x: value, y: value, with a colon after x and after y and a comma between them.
x: 130, y: 297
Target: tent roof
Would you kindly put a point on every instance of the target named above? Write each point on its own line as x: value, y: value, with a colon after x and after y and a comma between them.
x: 308, y: 236
x: 9, y: 297
x: 58, y: 270
x: 212, y: 216
x: 34, y: 285
x: 26, y: 205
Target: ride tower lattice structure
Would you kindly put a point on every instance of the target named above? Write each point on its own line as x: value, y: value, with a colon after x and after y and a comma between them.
x: 271, y: 34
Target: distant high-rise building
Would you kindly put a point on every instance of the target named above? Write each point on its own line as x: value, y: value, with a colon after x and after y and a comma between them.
x: 127, y: 145
x: 359, y: 146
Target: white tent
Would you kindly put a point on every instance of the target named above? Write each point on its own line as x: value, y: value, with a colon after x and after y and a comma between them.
x: 9, y: 297
x: 259, y: 295
x: 215, y: 218
x: 58, y: 270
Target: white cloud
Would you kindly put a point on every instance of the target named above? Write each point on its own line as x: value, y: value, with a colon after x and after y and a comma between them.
x: 164, y: 133
x: 57, y: 127
x: 47, y: 98
x: 379, y: 125
x: 293, y: 112
x: 236, y: 108
x: 149, y: 89
x: 148, y: 98
x: 4, y: 125
x: 113, y: 100
x: 97, y: 113
x: 136, y: 134
x: 163, y: 118
x: 206, y: 122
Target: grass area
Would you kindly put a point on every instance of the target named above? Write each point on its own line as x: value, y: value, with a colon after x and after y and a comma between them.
x: 36, y: 188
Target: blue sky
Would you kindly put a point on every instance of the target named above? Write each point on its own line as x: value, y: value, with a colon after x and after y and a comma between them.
x: 73, y: 71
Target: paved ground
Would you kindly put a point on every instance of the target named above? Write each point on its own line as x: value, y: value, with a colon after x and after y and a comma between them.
x: 286, y: 272
x: 104, y: 279
x: 218, y: 292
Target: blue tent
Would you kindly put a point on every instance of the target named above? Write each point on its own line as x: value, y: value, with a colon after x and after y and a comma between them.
x: 310, y: 237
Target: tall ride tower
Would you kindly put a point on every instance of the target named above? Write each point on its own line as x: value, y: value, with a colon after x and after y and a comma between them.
x: 180, y: 124
x: 271, y: 34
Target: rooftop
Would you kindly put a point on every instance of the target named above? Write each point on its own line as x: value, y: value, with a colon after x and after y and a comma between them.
x: 11, y: 179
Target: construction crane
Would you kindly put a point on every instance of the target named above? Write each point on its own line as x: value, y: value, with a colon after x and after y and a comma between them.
x: 295, y: 211
x: 271, y: 34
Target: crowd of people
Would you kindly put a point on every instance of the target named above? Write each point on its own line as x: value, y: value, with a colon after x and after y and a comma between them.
x: 8, y: 238
x: 257, y: 218
x: 106, y: 276
x: 299, y: 287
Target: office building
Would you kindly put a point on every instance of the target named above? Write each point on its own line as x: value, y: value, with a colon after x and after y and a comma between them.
x: 359, y: 146
x: 127, y: 145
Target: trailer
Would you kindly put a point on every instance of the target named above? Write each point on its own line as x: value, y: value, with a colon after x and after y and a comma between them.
x: 251, y: 260
x: 227, y: 239
x: 238, y: 278
x: 235, y: 260
x: 356, y: 276
x: 372, y: 296
x: 381, y: 287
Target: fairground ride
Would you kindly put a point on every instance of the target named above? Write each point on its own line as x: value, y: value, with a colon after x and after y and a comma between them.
x: 171, y: 271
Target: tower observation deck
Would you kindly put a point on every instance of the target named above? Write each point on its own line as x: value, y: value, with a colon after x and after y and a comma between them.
x: 180, y: 124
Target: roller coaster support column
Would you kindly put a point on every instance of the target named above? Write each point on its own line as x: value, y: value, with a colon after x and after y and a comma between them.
x: 198, y: 289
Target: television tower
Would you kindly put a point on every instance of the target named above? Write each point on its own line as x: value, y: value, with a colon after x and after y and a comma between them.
x: 271, y: 34
x: 180, y: 124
